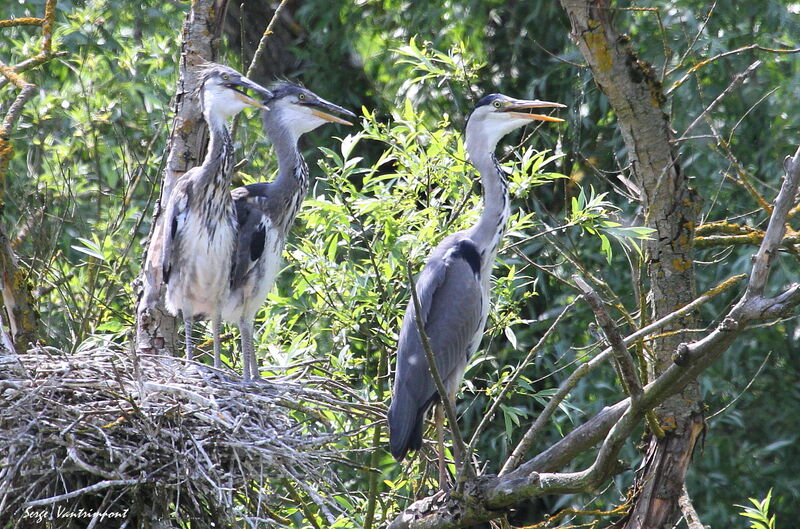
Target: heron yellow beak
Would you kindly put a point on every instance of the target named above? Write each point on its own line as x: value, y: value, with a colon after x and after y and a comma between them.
x: 330, y: 117
x: 250, y: 101
x: 515, y: 108
x: 242, y: 84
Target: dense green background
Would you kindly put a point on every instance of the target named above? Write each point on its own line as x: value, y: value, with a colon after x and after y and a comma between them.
x: 90, y: 147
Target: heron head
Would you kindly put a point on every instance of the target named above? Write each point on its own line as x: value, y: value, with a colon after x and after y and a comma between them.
x: 224, y: 91
x: 496, y: 115
x: 299, y: 110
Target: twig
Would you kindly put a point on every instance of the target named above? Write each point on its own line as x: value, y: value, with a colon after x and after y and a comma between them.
x: 444, y: 398
x: 517, y: 373
x: 746, y: 388
x: 263, y: 42
x: 22, y: 21
x: 627, y: 370
x: 706, y: 62
x: 737, y: 80
x: 85, y: 490
x: 33, y: 62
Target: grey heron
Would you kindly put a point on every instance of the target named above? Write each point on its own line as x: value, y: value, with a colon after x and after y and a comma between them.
x: 265, y: 211
x: 200, y: 233
x: 454, y: 286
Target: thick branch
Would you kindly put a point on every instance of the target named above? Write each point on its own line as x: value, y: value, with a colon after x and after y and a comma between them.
x: 776, y: 228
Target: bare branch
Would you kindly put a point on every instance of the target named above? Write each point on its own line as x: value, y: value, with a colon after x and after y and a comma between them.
x: 706, y: 62
x: 567, y: 448
x: 627, y: 371
x: 263, y: 42
x: 776, y: 228
x: 738, y: 79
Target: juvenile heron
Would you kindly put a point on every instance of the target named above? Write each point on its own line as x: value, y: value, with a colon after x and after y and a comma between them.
x: 265, y: 211
x: 453, y: 288
x: 201, y: 231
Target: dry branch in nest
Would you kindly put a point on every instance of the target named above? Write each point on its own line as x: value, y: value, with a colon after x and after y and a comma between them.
x: 155, y: 439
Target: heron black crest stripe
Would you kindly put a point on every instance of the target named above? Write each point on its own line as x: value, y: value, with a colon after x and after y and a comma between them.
x: 467, y: 250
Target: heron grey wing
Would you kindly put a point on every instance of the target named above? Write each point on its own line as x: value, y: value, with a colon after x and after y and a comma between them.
x: 250, y: 240
x: 450, y: 304
x: 174, y: 219
x: 450, y: 300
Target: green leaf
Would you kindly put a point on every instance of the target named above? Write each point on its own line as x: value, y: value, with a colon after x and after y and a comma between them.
x: 89, y: 248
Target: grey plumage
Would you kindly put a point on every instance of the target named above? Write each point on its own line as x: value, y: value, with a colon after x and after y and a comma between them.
x: 454, y: 286
x: 201, y: 225
x: 266, y: 211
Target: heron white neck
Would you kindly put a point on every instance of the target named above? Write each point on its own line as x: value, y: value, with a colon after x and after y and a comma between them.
x: 289, y: 158
x: 219, y: 135
x: 291, y: 184
x: 489, y: 230
x: 219, y: 157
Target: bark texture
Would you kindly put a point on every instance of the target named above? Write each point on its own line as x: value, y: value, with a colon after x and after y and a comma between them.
x: 155, y: 328
x: 671, y: 208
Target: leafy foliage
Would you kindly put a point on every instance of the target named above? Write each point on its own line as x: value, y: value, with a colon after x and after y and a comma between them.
x: 759, y: 513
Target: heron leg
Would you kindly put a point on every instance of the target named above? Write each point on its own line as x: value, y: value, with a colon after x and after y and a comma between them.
x: 215, y: 325
x: 254, y: 368
x: 246, y: 328
x: 438, y: 418
x: 187, y: 329
x: 462, y: 471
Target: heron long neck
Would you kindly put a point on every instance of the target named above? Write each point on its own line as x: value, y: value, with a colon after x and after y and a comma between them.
x: 490, y: 228
x: 291, y: 185
x: 218, y: 163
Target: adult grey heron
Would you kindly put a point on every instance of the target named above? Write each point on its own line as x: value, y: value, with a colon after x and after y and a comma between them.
x: 453, y: 288
x: 265, y: 211
x: 201, y: 221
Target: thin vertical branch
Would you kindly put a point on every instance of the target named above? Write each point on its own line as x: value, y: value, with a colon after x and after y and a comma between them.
x: 263, y: 42
x: 452, y: 418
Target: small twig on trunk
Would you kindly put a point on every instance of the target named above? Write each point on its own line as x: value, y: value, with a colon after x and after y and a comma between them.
x: 444, y: 399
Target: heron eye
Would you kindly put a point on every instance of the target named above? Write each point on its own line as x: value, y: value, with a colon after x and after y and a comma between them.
x: 301, y: 97
x: 497, y: 104
x: 226, y: 76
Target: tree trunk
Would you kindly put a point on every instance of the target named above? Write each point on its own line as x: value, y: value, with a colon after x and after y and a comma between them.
x: 155, y: 328
x: 671, y: 208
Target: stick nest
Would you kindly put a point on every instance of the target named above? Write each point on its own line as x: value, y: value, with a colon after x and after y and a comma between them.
x: 155, y: 438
